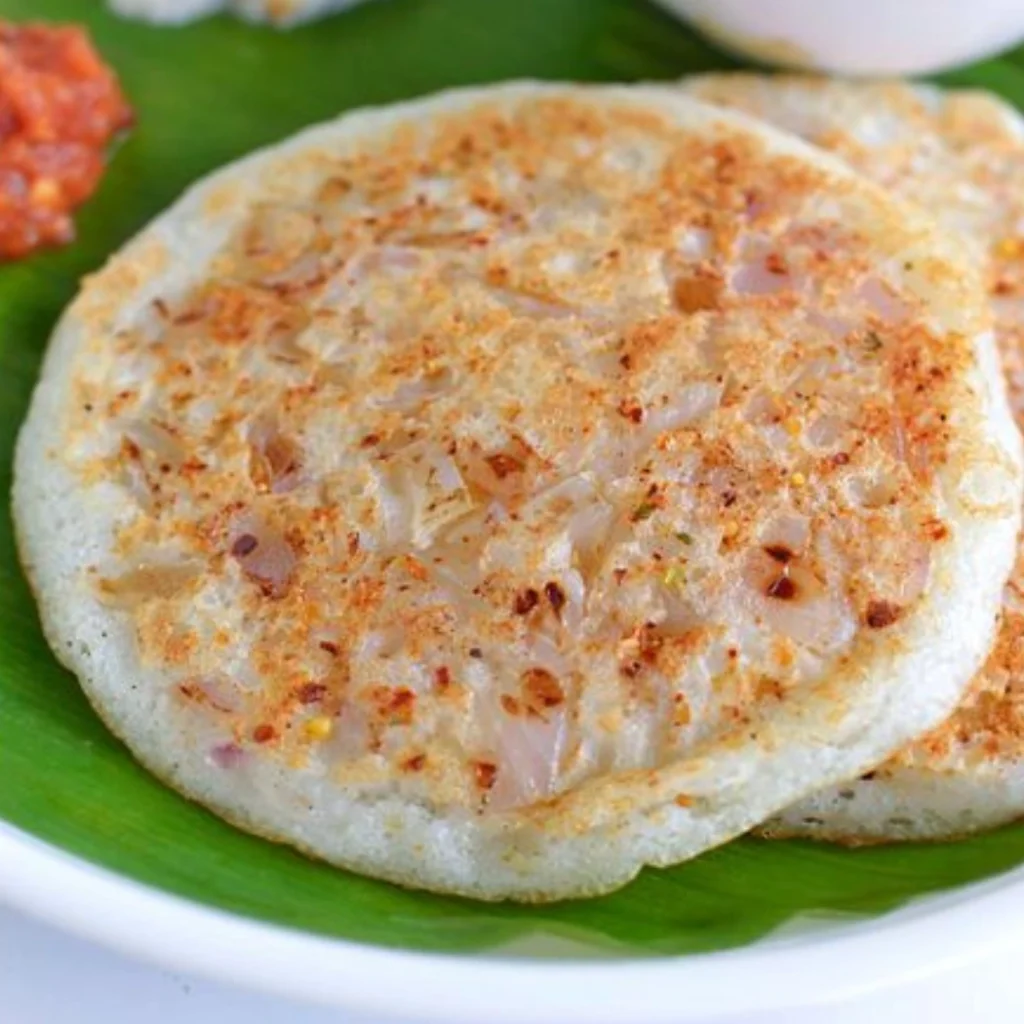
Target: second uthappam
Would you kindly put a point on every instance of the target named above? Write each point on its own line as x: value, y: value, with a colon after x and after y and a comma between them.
x: 960, y: 155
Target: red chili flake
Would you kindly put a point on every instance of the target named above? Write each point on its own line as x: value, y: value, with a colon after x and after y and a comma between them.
x: 626, y: 361
x: 541, y: 690
x: 782, y: 588
x: 311, y: 693
x: 331, y: 648
x: 130, y: 448
x: 631, y: 669
x: 649, y: 642
x: 245, y: 545
x: 264, y: 733
x: 881, y: 614
x: 775, y: 263
x: 503, y: 465
x: 353, y: 542
x: 779, y: 552
x: 632, y: 410
x: 414, y: 763
x: 620, y: 575
x: 475, y: 652
x: 401, y: 706
x: 443, y: 677
x: 415, y: 568
x: 729, y: 499
x: 486, y: 772
x: 556, y: 597
x: 526, y: 601
x: 369, y: 441
x: 510, y: 704
x: 840, y: 459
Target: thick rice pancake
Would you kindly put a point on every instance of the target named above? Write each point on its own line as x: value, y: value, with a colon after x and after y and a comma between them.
x: 277, y: 12
x: 503, y: 491
x: 961, y: 156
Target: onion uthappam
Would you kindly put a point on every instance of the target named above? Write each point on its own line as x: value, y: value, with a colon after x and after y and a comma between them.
x: 500, y: 492
x: 961, y: 156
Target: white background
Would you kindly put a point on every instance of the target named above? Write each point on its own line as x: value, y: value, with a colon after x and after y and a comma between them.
x: 49, y: 978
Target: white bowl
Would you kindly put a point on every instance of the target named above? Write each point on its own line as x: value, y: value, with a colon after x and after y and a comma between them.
x: 812, y: 967
x: 859, y: 37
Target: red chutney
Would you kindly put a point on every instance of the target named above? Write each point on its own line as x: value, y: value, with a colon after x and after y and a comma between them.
x: 59, y: 107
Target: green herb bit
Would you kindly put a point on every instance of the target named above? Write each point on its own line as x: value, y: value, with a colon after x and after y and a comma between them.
x: 643, y: 511
x: 675, y: 576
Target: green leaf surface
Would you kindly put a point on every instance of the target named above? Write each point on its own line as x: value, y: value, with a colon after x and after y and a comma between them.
x: 212, y: 92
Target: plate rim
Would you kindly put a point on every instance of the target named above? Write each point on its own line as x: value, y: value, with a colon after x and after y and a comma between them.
x: 926, y: 938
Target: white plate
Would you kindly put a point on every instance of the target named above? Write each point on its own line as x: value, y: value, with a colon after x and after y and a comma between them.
x: 859, y: 37
x: 812, y: 968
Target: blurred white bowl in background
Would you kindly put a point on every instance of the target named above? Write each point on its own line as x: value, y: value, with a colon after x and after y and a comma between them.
x: 859, y: 37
